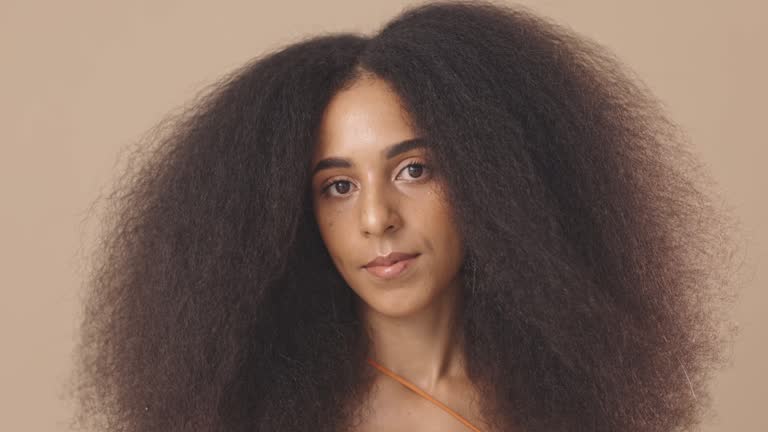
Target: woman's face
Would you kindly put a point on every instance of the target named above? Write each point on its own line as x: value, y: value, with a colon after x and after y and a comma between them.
x: 374, y: 193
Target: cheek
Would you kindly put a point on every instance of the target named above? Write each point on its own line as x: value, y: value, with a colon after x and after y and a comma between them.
x: 447, y: 240
x: 440, y: 228
x: 328, y: 226
x: 333, y: 230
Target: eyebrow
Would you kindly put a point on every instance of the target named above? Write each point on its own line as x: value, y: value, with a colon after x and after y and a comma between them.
x: 389, y: 152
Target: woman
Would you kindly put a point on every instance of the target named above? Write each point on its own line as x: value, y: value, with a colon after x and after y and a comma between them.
x: 471, y: 220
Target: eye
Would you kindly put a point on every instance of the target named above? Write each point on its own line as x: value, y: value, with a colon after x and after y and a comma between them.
x: 416, y: 170
x: 341, y: 187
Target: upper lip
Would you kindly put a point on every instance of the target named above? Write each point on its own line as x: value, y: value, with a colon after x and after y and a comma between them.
x: 390, y: 259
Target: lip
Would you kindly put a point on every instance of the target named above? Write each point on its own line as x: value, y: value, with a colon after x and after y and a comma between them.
x: 390, y: 259
x: 390, y: 266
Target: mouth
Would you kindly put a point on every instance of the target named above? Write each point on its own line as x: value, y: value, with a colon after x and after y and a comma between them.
x: 390, y: 268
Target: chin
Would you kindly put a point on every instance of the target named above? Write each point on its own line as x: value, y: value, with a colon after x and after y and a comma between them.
x: 397, y: 303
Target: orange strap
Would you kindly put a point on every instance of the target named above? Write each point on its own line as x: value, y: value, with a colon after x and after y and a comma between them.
x: 421, y: 393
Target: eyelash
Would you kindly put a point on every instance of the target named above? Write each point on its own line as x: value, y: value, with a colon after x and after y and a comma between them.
x: 326, y: 191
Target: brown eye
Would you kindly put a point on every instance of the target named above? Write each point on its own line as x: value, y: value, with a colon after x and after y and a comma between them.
x: 341, y: 187
x: 416, y: 170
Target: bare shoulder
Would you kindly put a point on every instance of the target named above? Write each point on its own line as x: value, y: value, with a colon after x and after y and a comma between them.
x: 392, y: 407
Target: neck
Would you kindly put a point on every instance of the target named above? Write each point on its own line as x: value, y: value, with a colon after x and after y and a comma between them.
x: 427, y: 347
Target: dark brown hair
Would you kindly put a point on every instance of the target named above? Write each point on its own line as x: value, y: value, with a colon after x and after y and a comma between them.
x: 598, y: 256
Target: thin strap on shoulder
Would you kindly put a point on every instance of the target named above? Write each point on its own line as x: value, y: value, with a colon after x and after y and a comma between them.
x: 423, y: 394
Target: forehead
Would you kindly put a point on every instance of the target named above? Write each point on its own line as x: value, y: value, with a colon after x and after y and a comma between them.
x: 366, y: 116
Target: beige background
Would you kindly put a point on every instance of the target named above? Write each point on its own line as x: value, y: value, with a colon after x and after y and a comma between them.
x: 81, y: 80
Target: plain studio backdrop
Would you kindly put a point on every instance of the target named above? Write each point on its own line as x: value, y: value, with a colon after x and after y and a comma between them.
x: 82, y: 80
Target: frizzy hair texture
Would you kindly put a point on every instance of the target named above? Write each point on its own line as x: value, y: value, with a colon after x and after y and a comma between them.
x: 598, y: 257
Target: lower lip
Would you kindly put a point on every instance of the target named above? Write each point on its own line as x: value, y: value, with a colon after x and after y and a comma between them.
x: 391, y: 271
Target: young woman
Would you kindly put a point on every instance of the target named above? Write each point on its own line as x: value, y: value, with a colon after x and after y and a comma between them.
x: 471, y: 220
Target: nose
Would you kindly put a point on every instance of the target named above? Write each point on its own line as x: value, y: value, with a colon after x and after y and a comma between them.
x: 379, y: 214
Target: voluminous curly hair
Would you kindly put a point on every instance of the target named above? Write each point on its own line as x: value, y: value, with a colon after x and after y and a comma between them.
x: 598, y: 256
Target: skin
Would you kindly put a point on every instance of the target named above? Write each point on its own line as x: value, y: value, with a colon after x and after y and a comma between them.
x: 373, y: 205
